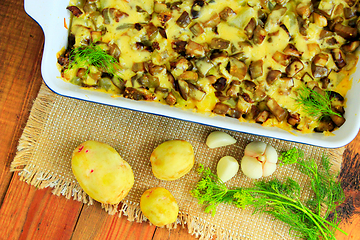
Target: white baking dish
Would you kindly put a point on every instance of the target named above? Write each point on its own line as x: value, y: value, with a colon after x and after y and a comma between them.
x: 51, y: 14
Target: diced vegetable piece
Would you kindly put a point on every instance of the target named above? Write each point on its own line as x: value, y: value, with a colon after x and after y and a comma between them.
x: 226, y: 13
x: 219, y: 43
x: 213, y: 21
x: 275, y: 109
x: 281, y: 58
x: 197, y: 29
x: 294, y: 67
x: 195, y: 49
x: 256, y: 69
x: 259, y: 35
x: 238, y: 68
x: 272, y: 76
x: 184, y: 20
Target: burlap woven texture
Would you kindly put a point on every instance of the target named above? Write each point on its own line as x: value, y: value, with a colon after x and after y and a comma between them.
x: 58, y: 124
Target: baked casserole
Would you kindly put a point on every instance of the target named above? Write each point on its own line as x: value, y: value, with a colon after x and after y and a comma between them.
x: 276, y: 63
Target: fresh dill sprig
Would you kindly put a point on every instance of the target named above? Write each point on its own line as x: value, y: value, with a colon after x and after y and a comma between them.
x: 279, y: 199
x: 315, y: 104
x: 327, y: 190
x: 92, y: 55
x: 291, y: 156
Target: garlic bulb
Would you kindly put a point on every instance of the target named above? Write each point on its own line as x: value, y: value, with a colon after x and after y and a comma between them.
x: 219, y: 139
x: 227, y: 167
x: 259, y: 160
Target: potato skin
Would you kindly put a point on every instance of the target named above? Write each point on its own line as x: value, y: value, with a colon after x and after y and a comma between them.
x: 159, y: 206
x: 172, y: 159
x: 101, y: 172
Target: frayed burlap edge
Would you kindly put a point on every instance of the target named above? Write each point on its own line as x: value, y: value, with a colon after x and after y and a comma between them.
x: 41, y: 179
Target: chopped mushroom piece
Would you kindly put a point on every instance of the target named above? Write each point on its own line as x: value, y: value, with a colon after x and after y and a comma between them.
x: 292, y: 51
x: 196, y: 7
x: 221, y: 108
x: 213, y: 21
x: 259, y: 35
x: 184, y: 20
x: 233, y: 90
x: 304, y: 10
x: 219, y: 43
x: 196, y: 93
x: 226, y: 13
x: 249, y: 29
x: 238, y: 68
x: 345, y: 31
x: 171, y: 99
x: 339, y: 121
x: 281, y: 58
x: 220, y: 84
x: 262, y: 117
x: 272, y: 76
x: 293, y: 119
x: 294, y: 67
x: 351, y: 47
x: 195, y: 49
x: 75, y: 11
x: 275, y: 109
x: 256, y: 69
x: 339, y: 58
x: 197, y: 29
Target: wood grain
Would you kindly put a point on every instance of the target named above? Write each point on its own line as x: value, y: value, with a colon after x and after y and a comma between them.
x: 27, y: 213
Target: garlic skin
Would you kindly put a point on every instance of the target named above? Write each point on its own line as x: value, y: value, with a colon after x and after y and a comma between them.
x: 227, y: 168
x: 259, y: 160
x: 219, y: 139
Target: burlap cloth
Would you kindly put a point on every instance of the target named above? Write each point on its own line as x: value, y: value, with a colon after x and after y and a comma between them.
x: 58, y: 124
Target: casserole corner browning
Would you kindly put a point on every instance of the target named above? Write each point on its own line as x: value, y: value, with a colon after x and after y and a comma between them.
x: 276, y: 63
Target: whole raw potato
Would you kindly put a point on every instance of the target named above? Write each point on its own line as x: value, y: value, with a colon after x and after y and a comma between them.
x: 159, y: 206
x: 101, y: 172
x: 172, y: 159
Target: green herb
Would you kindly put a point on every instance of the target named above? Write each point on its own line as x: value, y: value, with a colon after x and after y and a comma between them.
x: 281, y: 199
x: 92, y: 55
x: 327, y: 190
x: 291, y: 156
x: 314, y: 104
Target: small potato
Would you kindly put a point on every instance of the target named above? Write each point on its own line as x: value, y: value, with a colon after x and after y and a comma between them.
x: 159, y: 206
x: 101, y: 172
x: 172, y: 159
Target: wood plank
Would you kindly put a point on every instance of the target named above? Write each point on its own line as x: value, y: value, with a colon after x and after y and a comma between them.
x: 350, y: 182
x: 50, y: 217
x: 94, y: 223
x: 20, y: 79
x: 14, y: 209
x: 173, y: 234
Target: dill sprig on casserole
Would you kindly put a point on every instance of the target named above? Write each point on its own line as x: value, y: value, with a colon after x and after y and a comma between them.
x: 314, y: 103
x: 92, y: 55
x: 236, y: 58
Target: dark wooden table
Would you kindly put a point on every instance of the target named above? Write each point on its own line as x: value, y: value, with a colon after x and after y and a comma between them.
x: 27, y: 213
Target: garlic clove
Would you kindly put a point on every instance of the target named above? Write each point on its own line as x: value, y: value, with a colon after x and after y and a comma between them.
x: 268, y: 169
x: 219, y: 139
x: 271, y: 154
x: 255, y: 149
x: 227, y: 167
x: 251, y: 167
